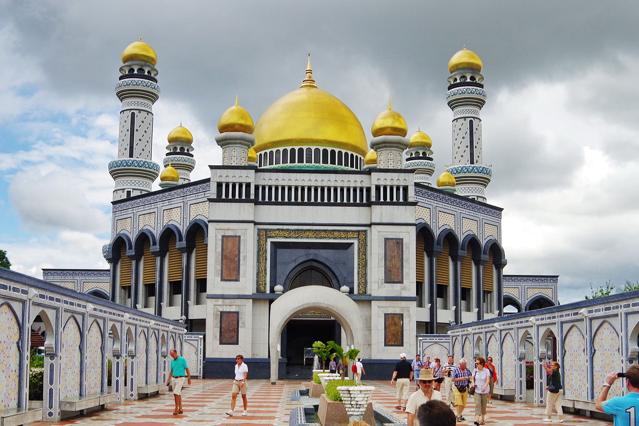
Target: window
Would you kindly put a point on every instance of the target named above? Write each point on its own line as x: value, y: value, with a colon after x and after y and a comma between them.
x: 309, y: 156
x: 125, y: 296
x: 285, y: 156
x: 175, y: 293
x: 325, y: 156
x: 488, y: 302
x: 332, y: 157
x: 277, y: 157
x: 149, y: 295
x: 310, y: 276
x: 419, y: 293
x: 200, y: 286
x: 340, y: 158
x: 316, y: 156
x: 393, y: 329
x: 293, y: 156
x: 466, y: 304
x: 229, y: 328
x: 442, y: 296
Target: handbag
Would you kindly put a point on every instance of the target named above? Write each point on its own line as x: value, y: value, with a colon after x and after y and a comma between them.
x: 471, y: 390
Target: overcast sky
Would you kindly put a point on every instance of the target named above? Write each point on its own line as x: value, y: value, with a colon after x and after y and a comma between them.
x: 560, y: 125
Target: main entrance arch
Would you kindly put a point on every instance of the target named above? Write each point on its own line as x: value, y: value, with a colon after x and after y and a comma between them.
x: 312, y: 298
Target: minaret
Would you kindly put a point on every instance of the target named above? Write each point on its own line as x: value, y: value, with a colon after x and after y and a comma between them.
x: 466, y: 97
x: 236, y: 135
x: 137, y: 89
x: 419, y: 157
x: 179, y: 153
x: 389, y: 130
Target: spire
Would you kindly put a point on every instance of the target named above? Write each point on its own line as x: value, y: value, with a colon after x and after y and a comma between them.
x: 308, y: 81
x: 237, y: 100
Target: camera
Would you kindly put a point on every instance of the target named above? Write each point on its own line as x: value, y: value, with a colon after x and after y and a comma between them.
x: 621, y: 375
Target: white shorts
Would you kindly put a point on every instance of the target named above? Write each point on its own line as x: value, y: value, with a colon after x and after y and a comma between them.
x: 178, y: 382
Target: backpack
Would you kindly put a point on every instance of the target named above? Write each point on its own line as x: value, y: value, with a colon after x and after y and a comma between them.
x: 354, y: 368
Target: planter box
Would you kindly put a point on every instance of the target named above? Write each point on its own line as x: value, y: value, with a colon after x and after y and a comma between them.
x: 316, y: 390
x: 333, y: 413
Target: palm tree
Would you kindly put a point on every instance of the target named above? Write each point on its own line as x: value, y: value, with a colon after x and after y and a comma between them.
x: 343, y: 356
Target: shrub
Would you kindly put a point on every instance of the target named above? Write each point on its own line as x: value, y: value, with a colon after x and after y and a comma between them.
x: 36, y: 379
x: 331, y: 388
x: 109, y: 370
x: 316, y: 378
x: 35, y: 360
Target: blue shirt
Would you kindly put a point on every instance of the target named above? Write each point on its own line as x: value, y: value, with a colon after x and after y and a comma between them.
x: 178, y: 367
x: 458, y: 373
x: 625, y: 409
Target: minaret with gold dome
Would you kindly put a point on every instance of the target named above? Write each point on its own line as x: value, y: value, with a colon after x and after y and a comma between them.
x: 137, y: 89
x: 419, y: 157
x: 389, y: 130
x: 179, y: 153
x: 236, y: 135
x: 466, y: 97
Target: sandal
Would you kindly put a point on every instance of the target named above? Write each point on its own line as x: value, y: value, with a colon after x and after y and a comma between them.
x: 180, y: 412
x: 175, y: 413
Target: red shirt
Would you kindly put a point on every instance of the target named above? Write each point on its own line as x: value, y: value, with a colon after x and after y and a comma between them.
x: 493, y: 370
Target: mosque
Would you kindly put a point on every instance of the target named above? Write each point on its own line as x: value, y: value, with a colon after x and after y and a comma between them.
x: 308, y: 230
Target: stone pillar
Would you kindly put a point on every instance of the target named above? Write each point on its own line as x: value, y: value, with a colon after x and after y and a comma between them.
x: 235, y: 146
x: 132, y: 379
x: 51, y: 379
x: 116, y: 375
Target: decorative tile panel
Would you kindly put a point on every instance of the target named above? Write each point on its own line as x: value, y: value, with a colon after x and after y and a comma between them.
x: 172, y: 215
x: 9, y: 337
x: 468, y: 350
x: 445, y: 219
x: 147, y: 219
x: 423, y: 213
x: 140, y: 354
x: 436, y: 350
x: 70, y: 362
x: 607, y: 356
x: 94, y: 359
x: 153, y: 359
x: 66, y: 284
x: 493, y: 350
x: 576, y: 364
x: 457, y: 349
x: 123, y: 225
x: 490, y: 231
x: 198, y: 209
x: 88, y: 286
x: 532, y: 291
x: 508, y: 359
x: 512, y: 291
x: 191, y: 355
x: 469, y: 225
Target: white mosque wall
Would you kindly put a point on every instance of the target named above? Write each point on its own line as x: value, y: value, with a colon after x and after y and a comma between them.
x: 82, y: 334
x: 589, y: 339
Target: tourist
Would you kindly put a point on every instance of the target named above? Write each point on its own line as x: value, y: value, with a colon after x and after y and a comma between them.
x: 359, y: 371
x: 427, y: 362
x: 438, y: 372
x: 332, y: 366
x: 435, y: 413
x: 461, y: 379
x: 424, y: 394
x: 416, y: 365
x: 481, y: 381
x: 239, y: 385
x: 622, y: 408
x: 447, y: 373
x: 553, y: 391
x: 493, y: 376
x: 402, y: 376
x: 178, y: 374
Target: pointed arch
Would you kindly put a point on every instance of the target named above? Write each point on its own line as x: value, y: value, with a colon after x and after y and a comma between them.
x: 142, y: 235
x: 94, y: 359
x: 492, y: 245
x: 122, y: 239
x: 540, y: 301
x: 116, y: 346
x: 10, y: 342
x: 70, y: 359
x: 168, y: 230
x: 451, y: 237
x: 49, y: 335
x: 575, y: 361
x: 141, y: 356
x: 606, y: 354
x: 192, y: 229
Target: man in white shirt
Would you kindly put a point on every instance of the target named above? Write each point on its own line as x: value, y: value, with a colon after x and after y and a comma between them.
x: 239, y: 385
x: 424, y: 394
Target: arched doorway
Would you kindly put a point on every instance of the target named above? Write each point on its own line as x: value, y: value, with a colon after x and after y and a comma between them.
x: 311, y: 299
x: 539, y: 302
x: 511, y: 305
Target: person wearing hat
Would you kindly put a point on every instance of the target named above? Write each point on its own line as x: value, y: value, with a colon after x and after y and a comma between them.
x: 402, y: 375
x: 424, y: 394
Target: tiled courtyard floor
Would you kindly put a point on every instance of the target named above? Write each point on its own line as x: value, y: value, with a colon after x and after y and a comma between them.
x: 206, y: 401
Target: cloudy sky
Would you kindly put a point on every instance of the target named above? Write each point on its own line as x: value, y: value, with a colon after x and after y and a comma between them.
x: 560, y: 125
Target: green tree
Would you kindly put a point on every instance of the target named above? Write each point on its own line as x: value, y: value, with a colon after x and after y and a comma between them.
x: 343, y: 356
x: 4, y: 260
x: 322, y: 350
x: 603, y: 290
x: 630, y: 286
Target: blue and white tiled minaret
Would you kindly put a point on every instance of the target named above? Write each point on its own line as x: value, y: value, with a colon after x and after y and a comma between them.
x: 466, y: 97
x: 137, y: 89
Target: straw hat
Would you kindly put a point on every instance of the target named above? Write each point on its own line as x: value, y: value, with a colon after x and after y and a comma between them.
x: 426, y: 374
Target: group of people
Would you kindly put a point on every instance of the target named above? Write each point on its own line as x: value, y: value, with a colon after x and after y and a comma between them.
x: 436, y: 382
x: 357, y: 368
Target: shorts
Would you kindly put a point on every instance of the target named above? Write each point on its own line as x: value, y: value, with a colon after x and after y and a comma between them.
x: 239, y: 386
x: 178, y: 383
x: 460, y: 399
x: 402, y: 389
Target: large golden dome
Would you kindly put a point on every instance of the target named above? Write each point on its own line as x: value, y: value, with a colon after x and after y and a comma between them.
x: 310, y: 116
x: 465, y: 58
x: 139, y: 51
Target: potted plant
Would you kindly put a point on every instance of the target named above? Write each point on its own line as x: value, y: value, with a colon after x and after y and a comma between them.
x: 344, y: 356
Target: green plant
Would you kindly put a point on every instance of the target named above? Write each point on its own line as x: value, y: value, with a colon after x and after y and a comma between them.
x: 109, y: 371
x: 630, y: 286
x: 35, y: 360
x: 602, y: 291
x: 4, y: 260
x: 316, y: 378
x: 331, y: 388
x: 343, y: 356
x: 322, y: 350
x: 36, y: 379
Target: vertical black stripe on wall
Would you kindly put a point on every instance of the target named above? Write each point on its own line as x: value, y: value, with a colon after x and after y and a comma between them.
x: 471, y: 137
x: 131, y: 135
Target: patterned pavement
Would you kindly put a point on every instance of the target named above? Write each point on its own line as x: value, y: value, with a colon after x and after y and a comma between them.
x: 206, y: 401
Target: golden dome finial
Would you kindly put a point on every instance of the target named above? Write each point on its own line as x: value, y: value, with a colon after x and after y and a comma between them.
x: 180, y: 134
x: 139, y: 51
x: 465, y: 58
x: 308, y: 81
x: 237, y: 100
x: 169, y: 174
x: 389, y: 123
x: 236, y: 119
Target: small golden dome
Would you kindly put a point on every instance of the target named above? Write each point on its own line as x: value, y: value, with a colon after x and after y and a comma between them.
x: 420, y: 139
x: 139, y: 51
x: 180, y: 134
x: 251, y: 155
x: 310, y: 116
x: 371, y: 158
x: 169, y: 174
x: 446, y: 179
x: 235, y: 119
x: 465, y: 58
x: 389, y: 123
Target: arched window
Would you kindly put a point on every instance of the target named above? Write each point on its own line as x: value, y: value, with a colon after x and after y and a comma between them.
x: 300, y: 155
x: 285, y: 156
x: 332, y: 160
x: 140, y: 70
x: 309, y: 156
x: 270, y: 158
x: 325, y: 156
x: 293, y: 156
x: 260, y: 160
x: 340, y: 158
x: 277, y: 157
x: 310, y: 276
x: 316, y: 156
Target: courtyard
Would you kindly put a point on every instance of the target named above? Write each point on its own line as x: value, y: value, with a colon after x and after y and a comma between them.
x: 207, y: 400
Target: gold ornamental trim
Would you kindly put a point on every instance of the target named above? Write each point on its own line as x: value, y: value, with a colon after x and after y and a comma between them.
x: 263, y: 235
